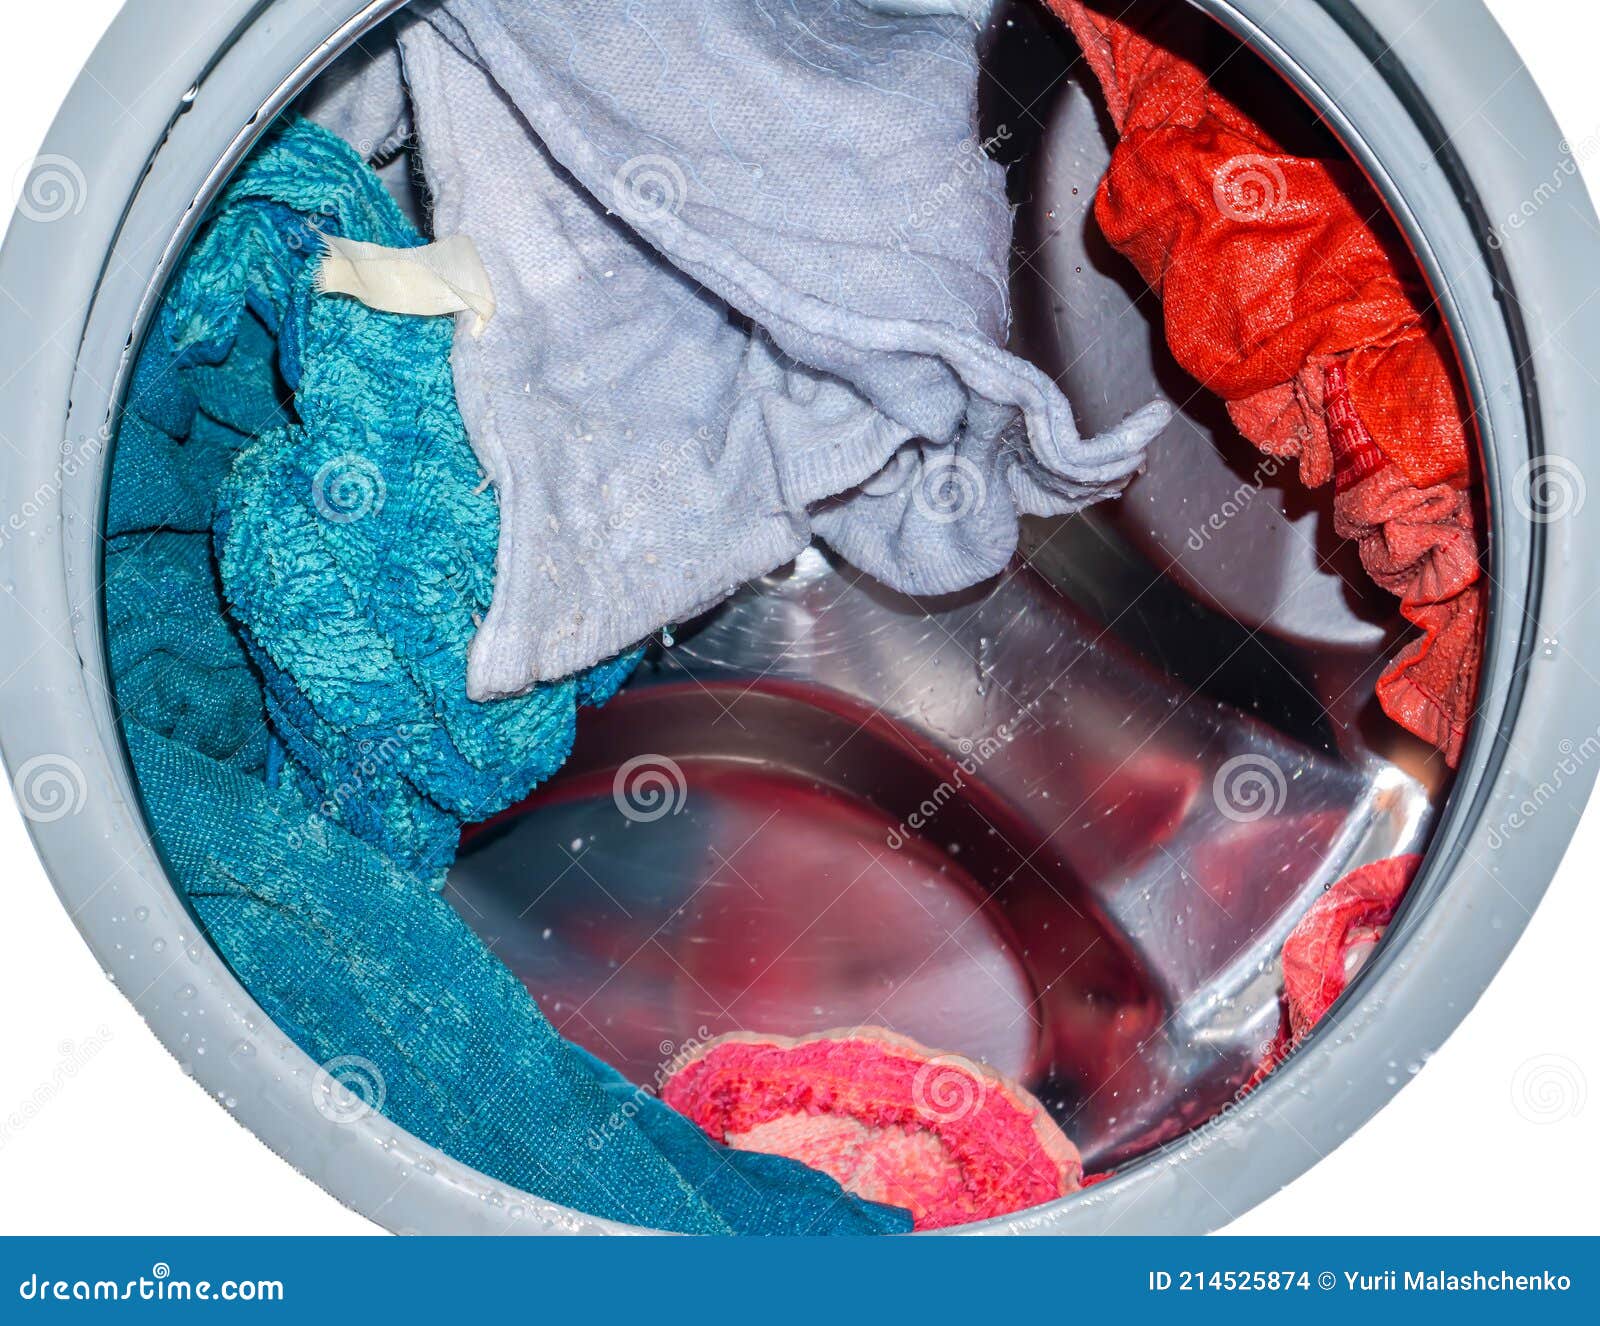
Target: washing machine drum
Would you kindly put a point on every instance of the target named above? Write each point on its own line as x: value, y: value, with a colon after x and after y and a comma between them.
x: 1193, y: 815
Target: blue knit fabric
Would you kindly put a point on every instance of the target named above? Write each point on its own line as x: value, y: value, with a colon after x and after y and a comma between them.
x: 288, y: 648
x: 356, y: 542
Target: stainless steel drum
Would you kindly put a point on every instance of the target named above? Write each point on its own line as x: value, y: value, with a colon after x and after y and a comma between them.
x: 1061, y: 823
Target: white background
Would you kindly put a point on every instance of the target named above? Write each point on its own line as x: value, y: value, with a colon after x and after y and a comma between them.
x: 117, y: 1140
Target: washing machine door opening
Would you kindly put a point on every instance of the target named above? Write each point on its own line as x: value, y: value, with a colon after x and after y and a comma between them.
x: 1061, y: 824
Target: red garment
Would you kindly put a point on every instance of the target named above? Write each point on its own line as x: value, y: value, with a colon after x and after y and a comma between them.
x: 1326, y: 948
x: 1275, y: 271
x: 1328, y: 945
x: 1420, y: 544
x: 893, y: 1122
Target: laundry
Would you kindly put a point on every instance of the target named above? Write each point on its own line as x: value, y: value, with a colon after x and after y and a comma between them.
x: 706, y: 289
x: 1287, y: 294
x: 429, y: 279
x: 893, y: 1121
x: 257, y: 664
x: 1420, y: 544
x: 361, y: 99
x: 1336, y: 937
x: 355, y: 545
x: 751, y: 274
x: 1328, y: 946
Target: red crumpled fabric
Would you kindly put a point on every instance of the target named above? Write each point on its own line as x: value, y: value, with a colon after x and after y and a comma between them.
x: 1288, y: 295
x: 946, y: 1138
x: 1327, y: 947
x: 1331, y: 940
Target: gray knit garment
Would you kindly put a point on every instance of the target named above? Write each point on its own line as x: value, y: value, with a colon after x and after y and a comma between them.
x: 750, y: 260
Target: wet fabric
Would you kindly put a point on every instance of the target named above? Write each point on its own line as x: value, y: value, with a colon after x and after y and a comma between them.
x: 1328, y: 946
x: 949, y: 1139
x: 1420, y: 544
x: 1279, y: 272
x: 1333, y: 939
x: 323, y: 899
x: 355, y: 538
x: 751, y: 272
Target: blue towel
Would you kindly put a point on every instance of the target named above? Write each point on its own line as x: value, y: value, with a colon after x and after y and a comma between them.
x: 289, y: 658
x: 356, y: 539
